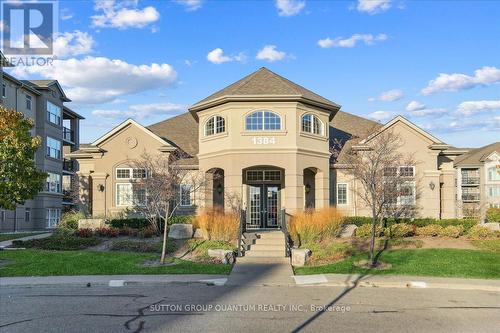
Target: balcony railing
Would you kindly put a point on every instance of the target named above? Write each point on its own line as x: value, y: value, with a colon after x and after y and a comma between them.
x: 69, y: 165
x: 68, y: 134
x: 470, y: 181
x: 470, y: 197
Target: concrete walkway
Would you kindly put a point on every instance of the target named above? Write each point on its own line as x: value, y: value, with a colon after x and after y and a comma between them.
x: 258, y: 271
x: 9, y: 242
x: 395, y: 281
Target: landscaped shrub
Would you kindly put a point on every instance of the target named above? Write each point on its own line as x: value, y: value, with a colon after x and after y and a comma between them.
x: 479, y: 231
x: 315, y: 226
x: 107, y: 232
x: 218, y: 225
x: 138, y: 246
x: 493, y: 214
x: 85, y: 233
x: 70, y: 220
x: 181, y: 219
x: 366, y: 231
x: 400, y: 230
x: 357, y: 220
x: 127, y: 231
x: 452, y: 231
x: 147, y: 232
x: 58, y: 242
x: 419, y: 222
x: 136, y: 223
x: 429, y: 230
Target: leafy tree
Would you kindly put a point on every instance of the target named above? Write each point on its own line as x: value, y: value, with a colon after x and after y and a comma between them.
x: 20, y: 180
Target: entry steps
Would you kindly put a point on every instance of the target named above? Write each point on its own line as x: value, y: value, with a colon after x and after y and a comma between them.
x: 264, y: 244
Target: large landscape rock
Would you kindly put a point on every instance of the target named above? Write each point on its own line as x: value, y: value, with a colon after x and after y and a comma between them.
x: 300, y: 256
x: 180, y: 231
x: 200, y: 234
x: 91, y: 224
x: 495, y: 226
x: 225, y: 256
x: 348, y: 231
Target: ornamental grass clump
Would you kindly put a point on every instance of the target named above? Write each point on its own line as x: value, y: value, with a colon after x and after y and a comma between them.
x: 217, y: 224
x: 315, y: 225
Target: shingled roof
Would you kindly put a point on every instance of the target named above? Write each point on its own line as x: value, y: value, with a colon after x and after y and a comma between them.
x: 478, y: 155
x: 264, y: 84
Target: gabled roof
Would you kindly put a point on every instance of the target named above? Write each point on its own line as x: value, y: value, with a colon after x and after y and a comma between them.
x: 46, y: 84
x: 264, y: 84
x: 435, y: 141
x: 123, y: 125
x: 22, y: 84
x: 4, y: 62
x: 478, y: 155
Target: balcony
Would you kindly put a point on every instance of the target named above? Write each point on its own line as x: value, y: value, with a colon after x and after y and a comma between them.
x: 470, y: 196
x: 68, y: 135
x: 470, y: 181
x: 69, y: 166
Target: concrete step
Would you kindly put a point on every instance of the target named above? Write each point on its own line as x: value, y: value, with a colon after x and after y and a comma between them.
x: 265, y: 254
x: 267, y: 247
x: 271, y: 235
x: 270, y: 241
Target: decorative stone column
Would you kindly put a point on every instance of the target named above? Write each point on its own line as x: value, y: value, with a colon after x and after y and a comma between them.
x: 84, y: 192
x: 100, y: 199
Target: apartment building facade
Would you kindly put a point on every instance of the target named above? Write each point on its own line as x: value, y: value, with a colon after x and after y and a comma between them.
x: 58, y: 127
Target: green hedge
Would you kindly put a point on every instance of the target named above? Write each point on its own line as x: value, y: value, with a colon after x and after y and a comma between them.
x: 141, y: 223
x: 422, y: 222
x: 58, y: 242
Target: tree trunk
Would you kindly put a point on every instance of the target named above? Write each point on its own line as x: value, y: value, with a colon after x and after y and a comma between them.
x: 372, y: 241
x: 165, y: 227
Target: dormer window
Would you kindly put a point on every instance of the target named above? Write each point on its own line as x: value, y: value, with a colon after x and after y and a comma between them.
x: 263, y: 121
x: 312, y: 124
x: 215, y: 125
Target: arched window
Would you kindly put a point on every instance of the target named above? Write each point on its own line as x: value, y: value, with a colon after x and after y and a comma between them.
x: 215, y: 125
x: 312, y: 124
x: 263, y: 121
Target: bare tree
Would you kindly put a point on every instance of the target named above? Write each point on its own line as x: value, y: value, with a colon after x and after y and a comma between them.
x: 157, y: 189
x: 388, y: 183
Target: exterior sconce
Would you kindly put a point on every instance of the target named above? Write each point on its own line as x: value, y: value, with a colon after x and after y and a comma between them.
x: 432, y: 185
x: 219, y: 189
x: 308, y: 188
x: 100, y: 188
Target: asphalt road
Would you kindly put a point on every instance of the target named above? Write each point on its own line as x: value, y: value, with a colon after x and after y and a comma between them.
x: 201, y: 308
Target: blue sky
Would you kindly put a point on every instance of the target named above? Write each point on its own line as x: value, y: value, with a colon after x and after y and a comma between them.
x: 436, y: 63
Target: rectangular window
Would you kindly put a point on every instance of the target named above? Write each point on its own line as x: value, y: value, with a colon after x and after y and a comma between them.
x: 53, y: 113
x: 2, y: 215
x: 123, y: 173
x: 341, y: 194
x: 27, y: 215
x: 53, y: 148
x: 390, y: 172
x: 4, y: 90
x: 127, y: 195
x: 255, y: 175
x: 28, y: 102
x: 185, y: 195
x: 494, y: 173
x: 130, y: 173
x: 53, y: 183
x: 407, y: 195
x: 138, y: 173
x: 53, y: 217
x: 494, y: 191
x: 271, y: 175
x: 407, y: 171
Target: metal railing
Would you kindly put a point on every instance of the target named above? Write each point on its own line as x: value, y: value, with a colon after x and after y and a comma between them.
x: 69, y: 165
x: 68, y: 134
x: 241, y: 231
x: 284, y: 229
x: 470, y: 181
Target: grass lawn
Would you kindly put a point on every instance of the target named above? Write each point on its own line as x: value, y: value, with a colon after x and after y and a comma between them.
x: 47, y: 263
x: 421, y: 262
x: 4, y: 237
x: 492, y: 245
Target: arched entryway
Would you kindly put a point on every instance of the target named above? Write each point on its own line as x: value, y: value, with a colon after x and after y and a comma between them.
x: 215, y: 188
x: 310, y: 188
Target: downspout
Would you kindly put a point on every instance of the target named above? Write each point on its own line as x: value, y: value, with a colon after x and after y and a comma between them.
x: 15, y: 209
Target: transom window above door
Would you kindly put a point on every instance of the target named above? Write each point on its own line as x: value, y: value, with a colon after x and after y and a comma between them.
x: 312, y: 124
x: 263, y: 121
x: 215, y: 125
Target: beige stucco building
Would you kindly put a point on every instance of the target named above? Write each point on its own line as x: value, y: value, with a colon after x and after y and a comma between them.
x: 266, y: 141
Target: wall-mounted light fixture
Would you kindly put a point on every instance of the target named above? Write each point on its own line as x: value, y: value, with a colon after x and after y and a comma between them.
x: 100, y: 188
x: 432, y: 185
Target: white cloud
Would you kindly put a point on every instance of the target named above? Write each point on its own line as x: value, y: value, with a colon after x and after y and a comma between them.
x: 73, y: 43
x: 373, y: 6
x: 270, y: 53
x: 471, y: 107
x: 428, y: 112
x: 454, y: 82
x: 368, y: 39
x: 217, y: 56
x: 289, y: 7
x: 142, y: 111
x: 97, y: 79
x: 388, y: 96
x: 415, y: 106
x: 380, y: 115
x: 123, y: 14
x: 190, y: 5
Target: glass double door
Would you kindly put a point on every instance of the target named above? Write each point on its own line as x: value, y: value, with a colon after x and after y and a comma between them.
x: 263, y: 206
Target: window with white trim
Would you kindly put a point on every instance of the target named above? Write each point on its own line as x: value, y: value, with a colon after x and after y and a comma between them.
x: 27, y: 215
x: 4, y: 90
x: 493, y: 173
x: 407, y: 194
x: 53, y: 183
x: 129, y: 195
x: 185, y: 195
x: 53, y: 217
x: 494, y: 191
x: 53, y: 148
x: 341, y: 194
x: 407, y: 171
x: 312, y: 124
x: 28, y: 102
x: 53, y: 113
x: 131, y: 173
x: 215, y: 125
x: 263, y: 121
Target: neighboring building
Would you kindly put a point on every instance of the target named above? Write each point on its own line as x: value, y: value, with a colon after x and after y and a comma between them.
x: 268, y: 139
x: 58, y: 126
x: 478, y: 180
